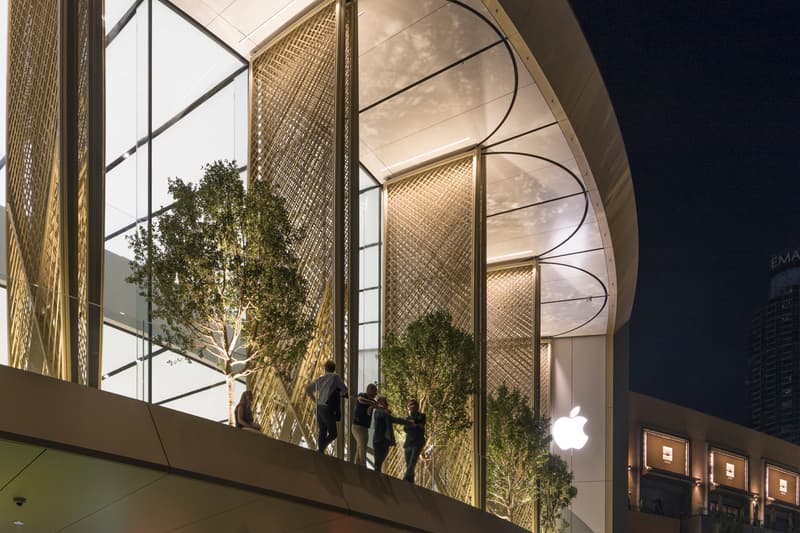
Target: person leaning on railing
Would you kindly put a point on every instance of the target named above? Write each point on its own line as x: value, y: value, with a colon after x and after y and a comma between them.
x: 383, y: 432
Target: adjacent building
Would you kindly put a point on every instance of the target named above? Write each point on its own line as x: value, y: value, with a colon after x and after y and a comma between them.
x: 692, y: 472
x: 773, y: 353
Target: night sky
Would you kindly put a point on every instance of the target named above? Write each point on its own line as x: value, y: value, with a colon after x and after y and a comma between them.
x: 707, y: 95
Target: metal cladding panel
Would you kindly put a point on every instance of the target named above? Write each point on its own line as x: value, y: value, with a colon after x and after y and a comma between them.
x: 429, y: 266
x: 292, y: 144
x: 49, y: 207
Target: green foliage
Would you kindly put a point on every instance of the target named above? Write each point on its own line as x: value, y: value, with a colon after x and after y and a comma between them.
x: 517, y: 448
x: 436, y: 363
x: 223, y: 277
x: 727, y: 524
x: 519, y: 466
x: 555, y: 494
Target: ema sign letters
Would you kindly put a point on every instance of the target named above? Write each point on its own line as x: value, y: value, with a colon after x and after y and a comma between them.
x: 785, y: 259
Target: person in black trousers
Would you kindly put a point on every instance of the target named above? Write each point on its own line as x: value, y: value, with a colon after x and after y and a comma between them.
x: 383, y: 432
x: 415, y: 438
x: 326, y: 392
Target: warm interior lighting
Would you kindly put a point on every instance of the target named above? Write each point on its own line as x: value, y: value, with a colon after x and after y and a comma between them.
x: 429, y: 152
x: 271, y: 18
x: 504, y: 256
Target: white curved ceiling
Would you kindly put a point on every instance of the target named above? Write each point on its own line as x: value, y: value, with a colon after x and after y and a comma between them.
x: 437, y: 77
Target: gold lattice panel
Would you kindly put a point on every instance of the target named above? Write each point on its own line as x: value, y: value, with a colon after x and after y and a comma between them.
x: 48, y: 187
x: 35, y: 276
x: 428, y: 248
x: 545, y: 379
x: 510, y: 328
x: 81, y: 289
x: 429, y: 260
x: 510, y: 316
x: 292, y: 113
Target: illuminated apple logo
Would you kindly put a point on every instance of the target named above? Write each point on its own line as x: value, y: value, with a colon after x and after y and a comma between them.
x: 568, y: 431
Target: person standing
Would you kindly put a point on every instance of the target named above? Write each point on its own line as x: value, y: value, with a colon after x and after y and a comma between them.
x: 326, y: 391
x: 383, y: 432
x: 415, y: 438
x: 362, y: 419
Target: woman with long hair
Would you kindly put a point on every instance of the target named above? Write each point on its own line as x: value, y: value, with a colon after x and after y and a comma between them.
x: 244, y: 413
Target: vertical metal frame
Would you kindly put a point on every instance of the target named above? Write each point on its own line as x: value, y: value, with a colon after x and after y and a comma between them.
x: 345, y: 211
x: 148, y: 327
x: 479, y: 328
x: 69, y: 131
x: 340, y: 174
x: 353, y: 222
x: 537, y: 367
x: 82, y: 156
x: 96, y: 173
x: 537, y: 339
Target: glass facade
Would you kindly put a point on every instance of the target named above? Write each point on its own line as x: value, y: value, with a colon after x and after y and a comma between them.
x: 176, y: 99
x: 369, y: 273
x: 167, y: 120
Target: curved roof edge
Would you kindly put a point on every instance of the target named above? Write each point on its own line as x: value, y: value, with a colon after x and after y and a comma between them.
x: 562, y: 64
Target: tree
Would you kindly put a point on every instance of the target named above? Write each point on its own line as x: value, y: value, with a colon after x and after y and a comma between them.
x: 436, y: 363
x: 222, y: 275
x: 517, y: 445
x: 555, y: 492
x: 519, y: 466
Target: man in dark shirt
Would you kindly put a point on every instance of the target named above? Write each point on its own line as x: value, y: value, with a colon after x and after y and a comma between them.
x: 326, y: 391
x: 415, y: 438
x: 362, y: 418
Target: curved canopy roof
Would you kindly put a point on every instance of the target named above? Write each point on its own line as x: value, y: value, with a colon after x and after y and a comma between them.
x: 440, y: 76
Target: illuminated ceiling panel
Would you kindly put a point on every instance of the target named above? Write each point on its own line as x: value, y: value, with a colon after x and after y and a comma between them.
x: 244, y: 24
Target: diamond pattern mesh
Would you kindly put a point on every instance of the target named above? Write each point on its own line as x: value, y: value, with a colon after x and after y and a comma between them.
x: 82, y: 266
x: 510, y: 328
x: 35, y: 284
x: 293, y: 100
x: 510, y: 316
x: 429, y: 266
x: 38, y: 294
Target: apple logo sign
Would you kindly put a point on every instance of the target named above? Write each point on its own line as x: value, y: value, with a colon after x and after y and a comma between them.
x: 568, y: 431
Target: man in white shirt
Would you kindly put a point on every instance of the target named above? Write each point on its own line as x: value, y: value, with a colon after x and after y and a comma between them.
x: 327, y: 391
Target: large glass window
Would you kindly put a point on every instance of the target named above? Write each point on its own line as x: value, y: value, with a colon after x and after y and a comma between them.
x: 369, y: 274
x: 164, y: 120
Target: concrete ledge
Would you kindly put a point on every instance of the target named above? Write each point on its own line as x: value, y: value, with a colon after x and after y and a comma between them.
x: 61, y: 415
x: 43, y: 410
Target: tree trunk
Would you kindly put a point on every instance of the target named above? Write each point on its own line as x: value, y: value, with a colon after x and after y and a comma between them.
x: 229, y: 381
